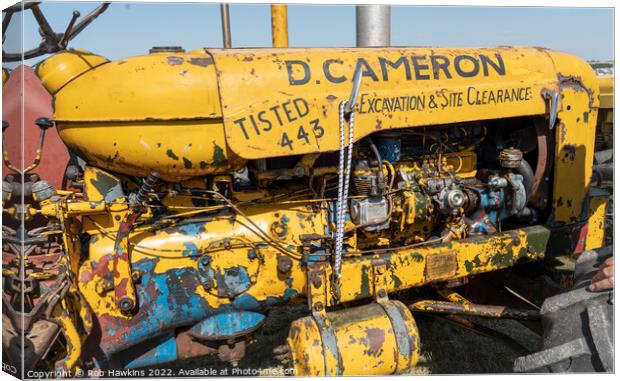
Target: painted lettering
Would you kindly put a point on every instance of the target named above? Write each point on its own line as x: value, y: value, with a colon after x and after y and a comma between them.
x: 301, y: 65
x: 402, y: 61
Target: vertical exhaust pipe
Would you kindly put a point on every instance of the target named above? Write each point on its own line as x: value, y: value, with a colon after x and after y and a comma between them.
x: 279, y: 25
x: 226, y: 39
x: 373, y: 24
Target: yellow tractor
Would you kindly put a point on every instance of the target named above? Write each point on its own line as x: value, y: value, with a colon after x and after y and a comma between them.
x: 216, y: 184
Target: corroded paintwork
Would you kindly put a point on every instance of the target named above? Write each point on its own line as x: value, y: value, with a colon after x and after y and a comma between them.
x: 371, y: 339
x: 168, y: 105
x: 311, y: 82
x: 574, y: 136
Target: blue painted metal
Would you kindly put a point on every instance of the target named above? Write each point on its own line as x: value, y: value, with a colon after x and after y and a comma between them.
x: 229, y: 283
x: 228, y: 324
x: 492, y: 209
x: 157, y: 351
x: 167, y: 301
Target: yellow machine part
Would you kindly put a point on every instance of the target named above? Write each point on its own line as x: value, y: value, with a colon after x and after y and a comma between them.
x: 279, y: 25
x: 5, y: 75
x: 178, y: 150
x: 597, y: 207
x: 606, y: 87
x: 277, y: 96
x: 62, y: 68
x: 574, y: 136
x: 605, y: 121
x: 142, y: 114
x: 187, y: 115
x: 370, y: 339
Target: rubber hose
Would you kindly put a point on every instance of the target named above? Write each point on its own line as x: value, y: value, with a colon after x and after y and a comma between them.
x: 526, y: 171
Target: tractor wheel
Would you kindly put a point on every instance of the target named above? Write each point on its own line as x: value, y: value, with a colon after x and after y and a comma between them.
x: 578, y: 326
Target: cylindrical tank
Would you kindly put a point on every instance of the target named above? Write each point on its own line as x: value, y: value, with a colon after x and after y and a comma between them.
x: 370, y: 339
x: 157, y: 112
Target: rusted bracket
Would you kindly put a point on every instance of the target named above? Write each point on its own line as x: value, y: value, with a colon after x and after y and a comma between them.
x: 451, y: 295
x: 379, y: 279
x: 329, y: 342
x: 317, y: 287
x: 124, y: 292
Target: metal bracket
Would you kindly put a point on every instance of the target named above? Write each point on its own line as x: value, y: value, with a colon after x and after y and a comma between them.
x: 317, y: 287
x: 379, y: 278
x: 317, y: 290
x: 357, y: 82
x: 551, y: 97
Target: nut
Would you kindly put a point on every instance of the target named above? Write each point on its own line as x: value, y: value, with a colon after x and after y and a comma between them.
x: 285, y: 264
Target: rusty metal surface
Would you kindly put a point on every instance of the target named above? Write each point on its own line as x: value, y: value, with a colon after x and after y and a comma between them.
x: 574, y: 138
x: 538, y: 195
x: 37, y: 103
x: 502, y: 312
x: 377, y: 338
x: 279, y: 25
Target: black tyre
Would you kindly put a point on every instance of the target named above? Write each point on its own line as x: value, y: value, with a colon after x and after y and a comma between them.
x: 578, y: 326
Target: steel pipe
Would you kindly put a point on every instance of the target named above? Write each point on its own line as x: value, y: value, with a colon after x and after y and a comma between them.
x: 226, y: 39
x: 373, y: 25
x: 279, y: 25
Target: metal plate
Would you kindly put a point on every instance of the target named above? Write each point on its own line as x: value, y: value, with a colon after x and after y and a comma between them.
x: 440, y: 265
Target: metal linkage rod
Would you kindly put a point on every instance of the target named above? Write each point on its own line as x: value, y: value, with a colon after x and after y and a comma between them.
x: 435, y: 306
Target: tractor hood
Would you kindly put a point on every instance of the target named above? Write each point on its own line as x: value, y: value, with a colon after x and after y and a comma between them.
x: 260, y: 103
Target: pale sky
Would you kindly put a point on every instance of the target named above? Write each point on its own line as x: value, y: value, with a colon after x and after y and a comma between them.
x: 128, y: 29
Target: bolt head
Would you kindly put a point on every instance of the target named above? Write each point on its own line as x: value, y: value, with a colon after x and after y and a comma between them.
x: 316, y: 282
x: 125, y: 304
x: 455, y: 198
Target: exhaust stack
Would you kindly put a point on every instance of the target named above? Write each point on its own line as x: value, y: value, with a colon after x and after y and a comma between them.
x: 279, y: 25
x: 373, y: 24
